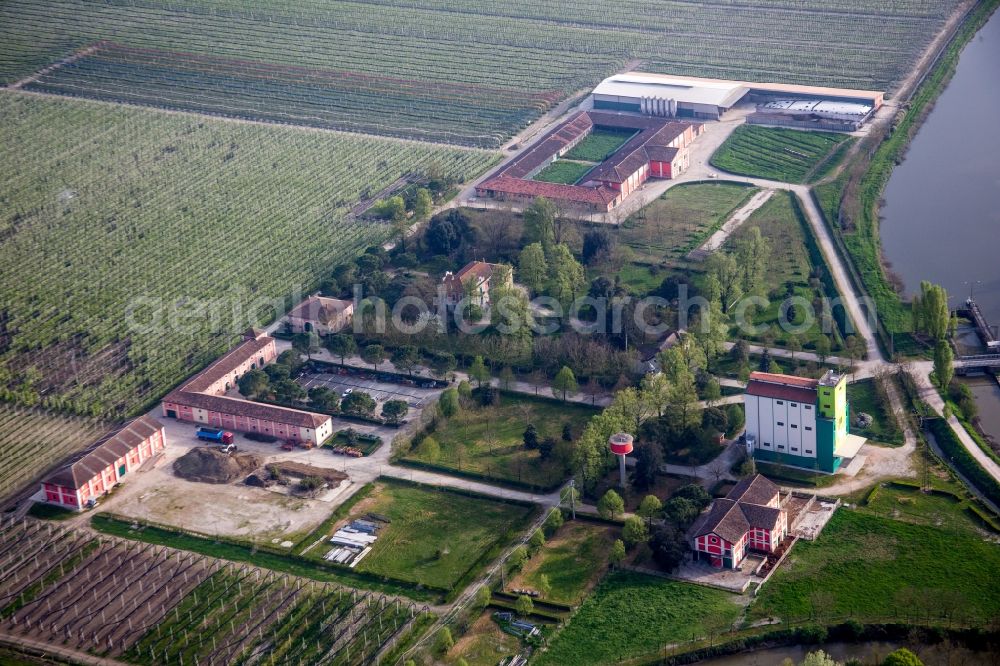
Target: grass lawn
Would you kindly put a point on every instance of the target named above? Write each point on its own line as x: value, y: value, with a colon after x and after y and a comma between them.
x: 776, y: 153
x: 435, y: 536
x: 564, y: 171
x: 600, y: 144
x: 726, y: 366
x: 630, y: 615
x: 875, y: 567
x: 488, y: 441
x: 911, y: 505
x: 573, y: 558
x: 681, y: 220
x: 884, y: 428
x: 641, y: 279
x: 789, y: 269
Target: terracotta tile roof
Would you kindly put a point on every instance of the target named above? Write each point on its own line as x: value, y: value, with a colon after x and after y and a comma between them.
x: 723, y: 518
x: 755, y: 490
x: 743, y: 508
x: 636, y: 152
x: 249, y: 409
x: 193, y: 392
x: 537, y: 188
x: 320, y: 309
x: 480, y: 270
x: 791, y: 380
x: 105, y: 452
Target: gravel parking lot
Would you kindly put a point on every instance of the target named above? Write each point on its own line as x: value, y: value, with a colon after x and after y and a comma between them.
x: 414, y: 396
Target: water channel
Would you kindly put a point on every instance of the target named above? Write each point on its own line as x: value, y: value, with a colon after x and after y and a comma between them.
x: 941, y: 217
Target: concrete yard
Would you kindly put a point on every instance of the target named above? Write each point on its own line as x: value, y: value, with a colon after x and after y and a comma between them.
x: 414, y: 396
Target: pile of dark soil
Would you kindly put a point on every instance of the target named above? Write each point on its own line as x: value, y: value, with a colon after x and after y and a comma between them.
x: 210, y: 465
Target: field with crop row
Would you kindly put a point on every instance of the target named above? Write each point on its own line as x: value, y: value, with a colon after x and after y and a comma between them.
x: 138, y: 244
x: 776, y: 153
x: 533, y: 50
x: 154, y: 605
x: 32, y: 440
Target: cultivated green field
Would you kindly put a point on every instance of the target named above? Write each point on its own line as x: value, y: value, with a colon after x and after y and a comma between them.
x: 680, y: 220
x: 599, y: 145
x: 489, y: 440
x: 631, y: 615
x: 138, y: 244
x: 564, y: 171
x: 435, y: 536
x: 471, y: 73
x: 787, y: 155
x: 874, y: 568
x: 32, y: 440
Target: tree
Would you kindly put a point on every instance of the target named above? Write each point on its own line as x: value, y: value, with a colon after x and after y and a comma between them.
x: 610, y: 505
x: 669, y: 547
x: 406, y: 358
x: 323, y: 398
x: 598, y: 245
x: 695, y: 494
x: 483, y: 597
x: 442, y: 363
x: 567, y: 432
x: 288, y: 390
x: 478, y: 371
x: 544, y: 585
x: 751, y: 255
x: 507, y: 378
x: 902, y: 657
x: 944, y: 367
x: 722, y: 266
x: 823, y: 346
x: 444, y: 641
x: 617, y: 555
x: 306, y: 343
x: 429, y: 449
x: 373, y: 354
x: 532, y: 269
x: 276, y: 372
x: 530, y: 437
x: 649, y: 508
x: 683, y: 411
x: 422, y: 204
x: 539, y: 222
x: 449, y: 403
x: 447, y: 231
x: 712, y: 391
x: 819, y: 658
x: 681, y: 511
x: 634, y: 531
x: 649, y: 459
x: 358, y: 402
x: 546, y: 447
x: 253, y: 383
x: 536, y: 540
x: 566, y: 276
x: 564, y: 382
x: 523, y: 606
x: 553, y: 521
x: 341, y: 345
x: 930, y: 311
x: 393, y: 411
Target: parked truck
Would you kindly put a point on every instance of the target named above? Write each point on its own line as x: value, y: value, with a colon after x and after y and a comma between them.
x: 216, y: 435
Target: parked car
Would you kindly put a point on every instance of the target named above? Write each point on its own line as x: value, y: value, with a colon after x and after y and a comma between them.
x: 347, y: 392
x: 228, y: 448
x: 288, y: 446
x: 214, y: 435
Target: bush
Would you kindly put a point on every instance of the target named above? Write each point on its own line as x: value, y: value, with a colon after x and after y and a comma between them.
x: 963, y: 460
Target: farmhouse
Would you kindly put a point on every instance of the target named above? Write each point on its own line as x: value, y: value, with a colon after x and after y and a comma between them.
x: 105, y: 464
x: 658, y: 148
x: 320, y: 315
x: 799, y: 422
x: 204, y: 399
x: 749, y: 518
x: 474, y: 281
x: 669, y: 96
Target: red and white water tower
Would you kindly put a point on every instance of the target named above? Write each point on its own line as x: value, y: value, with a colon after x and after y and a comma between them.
x: 621, y: 445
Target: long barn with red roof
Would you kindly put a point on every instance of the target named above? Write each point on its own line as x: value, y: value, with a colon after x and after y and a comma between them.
x: 657, y: 149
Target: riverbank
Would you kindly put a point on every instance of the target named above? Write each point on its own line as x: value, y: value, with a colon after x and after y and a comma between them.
x: 851, y: 202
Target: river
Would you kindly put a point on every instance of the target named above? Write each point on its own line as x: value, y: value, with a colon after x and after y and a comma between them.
x: 941, y: 217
